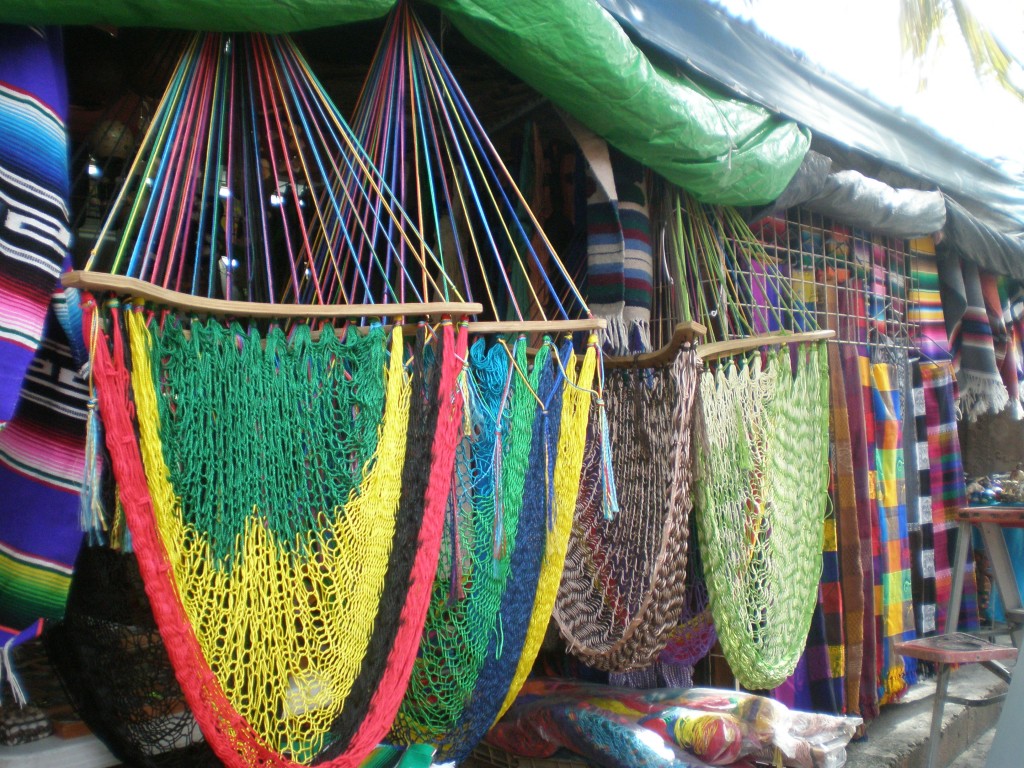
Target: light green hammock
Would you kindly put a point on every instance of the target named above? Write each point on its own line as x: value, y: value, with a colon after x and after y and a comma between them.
x: 762, y: 489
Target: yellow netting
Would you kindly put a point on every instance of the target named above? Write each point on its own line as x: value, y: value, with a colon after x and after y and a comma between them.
x: 285, y: 629
x: 568, y: 464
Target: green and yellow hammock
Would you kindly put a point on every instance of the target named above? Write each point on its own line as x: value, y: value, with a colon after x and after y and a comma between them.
x: 286, y: 481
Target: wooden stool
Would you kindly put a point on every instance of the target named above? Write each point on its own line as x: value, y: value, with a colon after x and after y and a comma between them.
x: 945, y: 650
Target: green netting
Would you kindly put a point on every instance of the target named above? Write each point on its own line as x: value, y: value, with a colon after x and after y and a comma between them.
x: 284, y: 427
x: 761, y: 499
x: 478, y: 541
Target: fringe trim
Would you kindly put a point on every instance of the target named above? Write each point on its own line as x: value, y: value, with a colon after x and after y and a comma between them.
x: 624, y: 335
x: 980, y: 394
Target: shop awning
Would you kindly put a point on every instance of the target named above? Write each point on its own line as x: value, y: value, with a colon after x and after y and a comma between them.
x: 722, y: 149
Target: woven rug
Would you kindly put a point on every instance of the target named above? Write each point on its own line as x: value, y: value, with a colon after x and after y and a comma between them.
x: 971, y: 342
x: 947, y: 490
x: 620, y: 278
x: 866, y: 521
x: 33, y: 189
x: 1005, y: 343
x: 925, y: 310
x: 844, y: 501
x: 922, y: 535
x: 893, y: 555
x: 42, y: 461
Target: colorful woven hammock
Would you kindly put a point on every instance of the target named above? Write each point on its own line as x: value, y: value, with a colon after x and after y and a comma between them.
x: 762, y: 487
x: 286, y: 491
x: 422, y: 133
x: 623, y: 587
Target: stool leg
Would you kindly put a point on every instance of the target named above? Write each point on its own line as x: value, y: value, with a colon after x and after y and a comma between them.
x: 941, y: 685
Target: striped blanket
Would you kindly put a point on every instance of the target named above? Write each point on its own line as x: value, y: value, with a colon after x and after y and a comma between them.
x: 970, y: 337
x: 34, y: 231
x: 620, y: 273
x: 925, y: 310
x: 893, y: 556
x: 922, y: 536
x: 42, y: 462
x: 947, y: 490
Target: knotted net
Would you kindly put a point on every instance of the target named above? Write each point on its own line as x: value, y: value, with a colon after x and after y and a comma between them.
x: 762, y: 487
x: 623, y: 587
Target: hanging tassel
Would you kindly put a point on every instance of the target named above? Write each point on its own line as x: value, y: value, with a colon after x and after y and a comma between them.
x: 7, y: 672
x: 609, y: 493
x: 92, y: 517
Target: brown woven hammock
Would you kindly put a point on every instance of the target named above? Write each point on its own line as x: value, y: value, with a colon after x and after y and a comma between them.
x: 623, y: 587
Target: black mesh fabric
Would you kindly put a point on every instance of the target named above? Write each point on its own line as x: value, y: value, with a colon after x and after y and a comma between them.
x: 112, y: 662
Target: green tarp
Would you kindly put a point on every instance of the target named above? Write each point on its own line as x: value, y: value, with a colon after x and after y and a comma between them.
x: 572, y: 51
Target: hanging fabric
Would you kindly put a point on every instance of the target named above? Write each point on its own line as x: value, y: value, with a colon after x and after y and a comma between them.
x: 33, y: 194
x: 844, y: 496
x: 619, y: 265
x: 897, y: 621
x: 925, y: 308
x: 948, y: 493
x: 759, y: 512
x: 922, y: 540
x: 970, y: 336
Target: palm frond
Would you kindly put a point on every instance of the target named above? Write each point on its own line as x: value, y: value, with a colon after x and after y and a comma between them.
x: 921, y: 23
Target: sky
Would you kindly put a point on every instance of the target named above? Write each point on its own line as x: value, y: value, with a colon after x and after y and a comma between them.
x: 978, y: 113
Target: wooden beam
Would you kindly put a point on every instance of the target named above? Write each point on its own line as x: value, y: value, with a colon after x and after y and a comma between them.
x: 718, y: 349
x: 537, y: 326
x: 684, y: 333
x: 140, y: 289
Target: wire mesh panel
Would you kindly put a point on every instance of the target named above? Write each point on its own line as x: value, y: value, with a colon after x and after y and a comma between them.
x: 794, y: 272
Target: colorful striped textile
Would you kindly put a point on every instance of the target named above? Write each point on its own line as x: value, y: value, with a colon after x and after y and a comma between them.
x: 42, y: 462
x: 620, y: 276
x: 922, y: 536
x: 853, y: 326
x: 971, y: 342
x: 851, y: 572
x: 1012, y: 295
x: 34, y: 184
x: 893, y: 555
x: 925, y: 310
x: 947, y: 490
x: 824, y: 653
x: 844, y: 501
x: 1004, y: 340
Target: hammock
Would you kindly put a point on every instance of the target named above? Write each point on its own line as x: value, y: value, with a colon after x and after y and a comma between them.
x: 290, y: 571
x: 762, y: 486
x: 517, y: 461
x: 623, y: 587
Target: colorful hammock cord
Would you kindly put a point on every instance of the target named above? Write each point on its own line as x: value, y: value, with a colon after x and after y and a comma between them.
x: 420, y: 130
x: 762, y: 487
x: 526, y: 560
x: 694, y: 636
x: 199, y: 607
x: 725, y: 278
x: 249, y: 185
x: 482, y: 519
x: 623, y: 588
